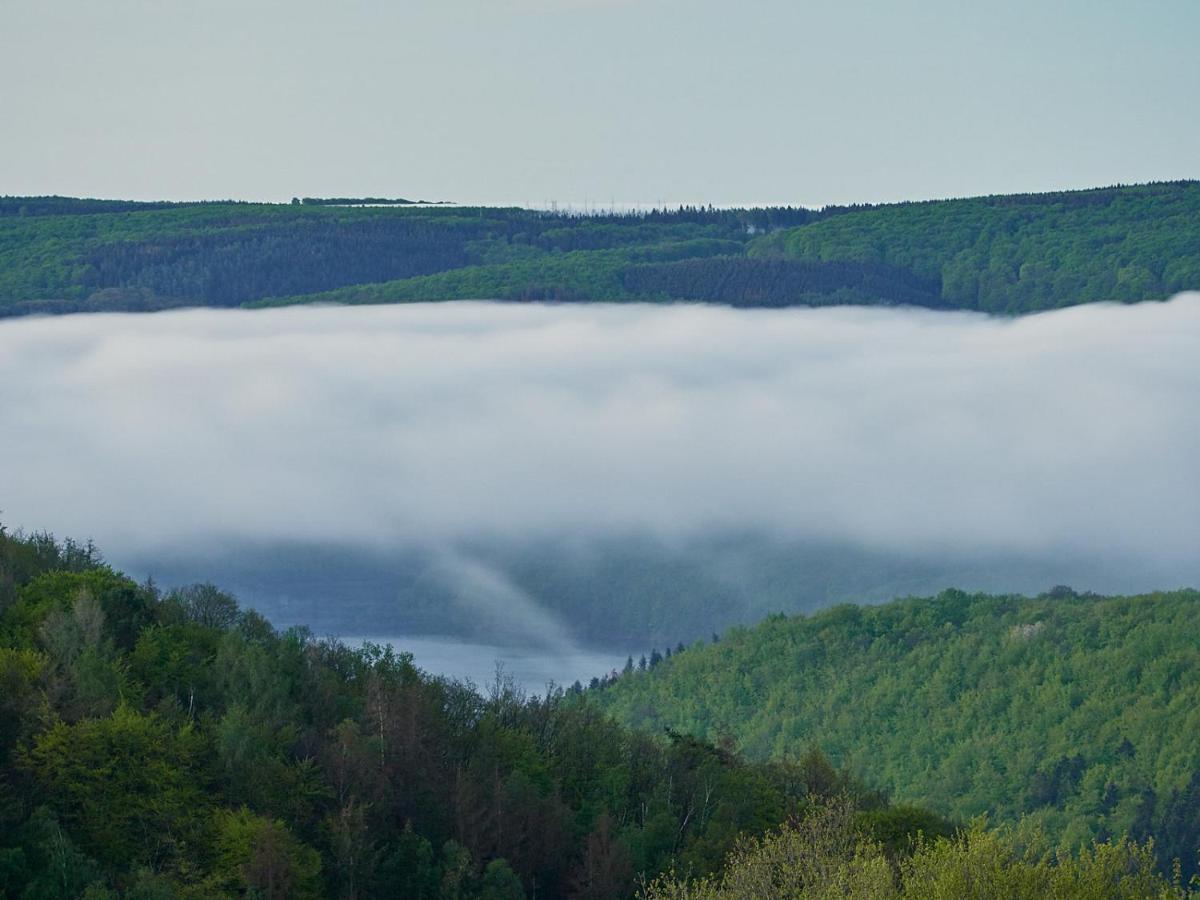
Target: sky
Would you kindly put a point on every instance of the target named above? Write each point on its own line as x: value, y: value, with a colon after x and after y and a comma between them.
x: 594, y: 101
x: 899, y: 430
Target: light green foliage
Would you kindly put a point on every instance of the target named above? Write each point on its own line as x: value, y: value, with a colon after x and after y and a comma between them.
x: 86, y: 677
x: 825, y: 856
x: 982, y: 864
x: 1079, y: 711
x: 124, y: 604
x: 127, y: 784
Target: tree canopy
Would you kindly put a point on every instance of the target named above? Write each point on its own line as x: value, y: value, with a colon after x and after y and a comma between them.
x: 172, y: 744
x: 1005, y: 254
x: 1077, y: 713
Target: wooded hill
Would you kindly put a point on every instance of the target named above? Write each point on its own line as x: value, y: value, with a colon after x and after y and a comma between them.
x: 167, y: 745
x: 1078, y: 713
x: 1004, y: 254
x: 173, y: 745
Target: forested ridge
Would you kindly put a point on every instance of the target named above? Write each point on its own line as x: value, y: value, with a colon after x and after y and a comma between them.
x: 1022, y: 253
x: 1004, y: 254
x: 162, y: 745
x: 169, y: 744
x: 1077, y: 713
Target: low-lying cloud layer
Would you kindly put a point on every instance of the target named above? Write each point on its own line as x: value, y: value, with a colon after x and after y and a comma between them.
x: 899, y: 429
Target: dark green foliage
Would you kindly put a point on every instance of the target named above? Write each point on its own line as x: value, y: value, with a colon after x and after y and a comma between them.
x: 231, y: 266
x: 29, y: 555
x: 75, y: 257
x: 164, y: 745
x: 125, y: 605
x: 41, y: 861
x: 897, y: 828
x: 528, y: 272
x: 1022, y: 253
x: 72, y: 206
x: 739, y: 281
x: 408, y: 869
x: 997, y: 254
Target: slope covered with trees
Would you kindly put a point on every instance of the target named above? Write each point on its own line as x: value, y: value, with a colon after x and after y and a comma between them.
x: 1007, y: 254
x: 175, y: 745
x: 1022, y: 253
x: 1077, y: 713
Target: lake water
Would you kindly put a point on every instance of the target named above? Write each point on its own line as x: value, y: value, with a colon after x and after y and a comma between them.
x: 531, y: 668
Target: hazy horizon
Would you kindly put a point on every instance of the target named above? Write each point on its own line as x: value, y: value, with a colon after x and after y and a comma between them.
x: 600, y: 207
x: 600, y: 101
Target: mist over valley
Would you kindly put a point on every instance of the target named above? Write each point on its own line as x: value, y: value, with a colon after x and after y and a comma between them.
x: 608, y: 477
x: 430, y: 470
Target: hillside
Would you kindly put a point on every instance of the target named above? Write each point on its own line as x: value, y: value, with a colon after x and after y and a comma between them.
x: 1007, y: 254
x: 1015, y: 254
x: 173, y: 745
x: 1079, y: 712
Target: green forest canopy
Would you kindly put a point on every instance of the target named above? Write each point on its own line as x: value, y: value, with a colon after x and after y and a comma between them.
x: 164, y: 745
x: 172, y: 744
x: 1075, y: 712
x: 1002, y: 254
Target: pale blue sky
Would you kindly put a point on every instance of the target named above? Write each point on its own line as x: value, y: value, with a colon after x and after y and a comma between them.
x: 781, y: 101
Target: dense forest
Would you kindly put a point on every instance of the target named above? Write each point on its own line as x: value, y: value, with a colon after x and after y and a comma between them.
x: 1004, y: 254
x: 174, y: 745
x: 1075, y: 713
x: 1022, y: 253
x: 169, y: 744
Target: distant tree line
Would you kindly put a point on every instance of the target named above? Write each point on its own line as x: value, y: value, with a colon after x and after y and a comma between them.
x: 360, y: 201
x: 71, y: 206
x: 1005, y: 254
x: 1021, y: 253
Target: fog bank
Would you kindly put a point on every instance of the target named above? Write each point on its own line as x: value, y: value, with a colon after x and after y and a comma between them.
x: 899, y: 429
